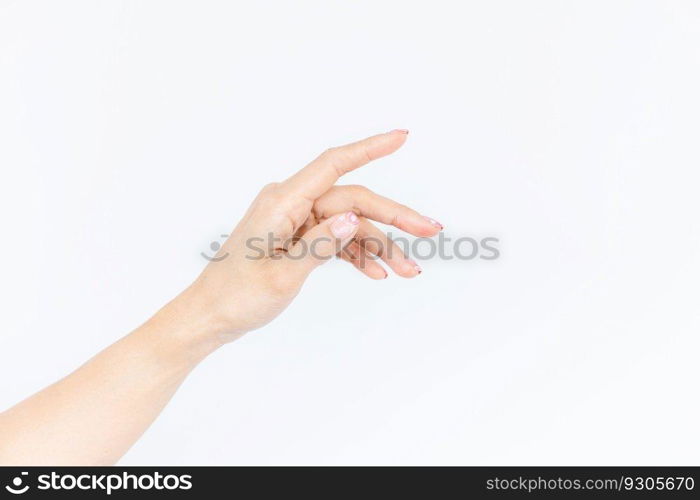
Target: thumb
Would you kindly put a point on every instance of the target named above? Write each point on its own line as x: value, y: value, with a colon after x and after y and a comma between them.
x: 323, y: 241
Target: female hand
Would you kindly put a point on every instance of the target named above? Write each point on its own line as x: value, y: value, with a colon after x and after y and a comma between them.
x: 105, y: 405
x: 294, y: 226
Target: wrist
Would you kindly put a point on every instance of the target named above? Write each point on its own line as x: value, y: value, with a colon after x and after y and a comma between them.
x: 184, y: 329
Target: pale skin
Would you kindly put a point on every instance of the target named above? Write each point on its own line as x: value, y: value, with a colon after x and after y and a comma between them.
x: 95, y: 414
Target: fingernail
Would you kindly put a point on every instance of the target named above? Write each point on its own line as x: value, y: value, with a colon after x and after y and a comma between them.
x: 400, y: 130
x: 415, y: 266
x: 434, y: 223
x: 344, y: 225
x: 386, y: 275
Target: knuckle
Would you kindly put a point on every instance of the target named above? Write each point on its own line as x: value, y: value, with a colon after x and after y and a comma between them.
x: 366, y: 156
x: 271, y: 195
x: 335, y: 157
x: 360, y: 190
x: 270, y: 188
x: 330, y: 152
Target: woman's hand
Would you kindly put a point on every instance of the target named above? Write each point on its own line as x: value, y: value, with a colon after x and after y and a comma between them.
x: 294, y: 226
x: 93, y: 416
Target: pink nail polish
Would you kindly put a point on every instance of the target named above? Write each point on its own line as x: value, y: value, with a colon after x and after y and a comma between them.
x: 344, y: 225
x: 434, y: 223
x: 400, y: 130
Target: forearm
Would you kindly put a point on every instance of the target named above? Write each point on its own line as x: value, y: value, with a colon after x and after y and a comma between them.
x: 95, y: 414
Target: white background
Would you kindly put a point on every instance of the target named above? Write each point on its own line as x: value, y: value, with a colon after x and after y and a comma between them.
x: 132, y: 134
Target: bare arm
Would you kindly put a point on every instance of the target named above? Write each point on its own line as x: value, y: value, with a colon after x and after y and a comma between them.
x: 94, y: 415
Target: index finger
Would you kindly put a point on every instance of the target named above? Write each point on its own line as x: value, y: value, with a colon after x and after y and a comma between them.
x: 318, y: 176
